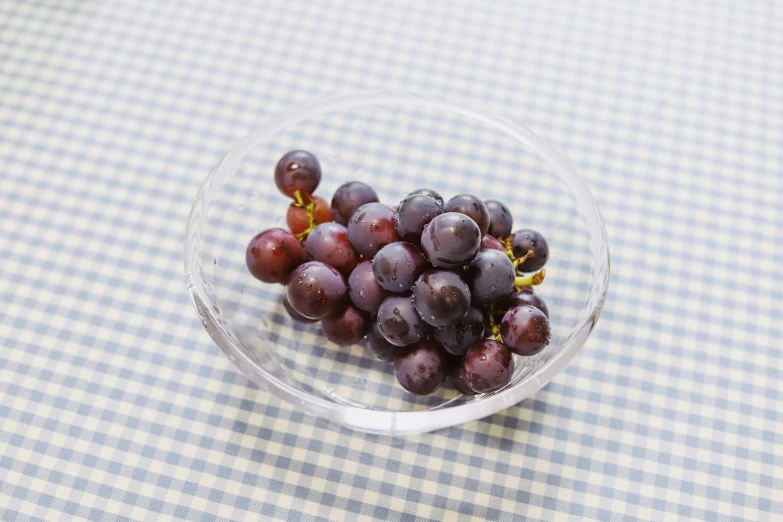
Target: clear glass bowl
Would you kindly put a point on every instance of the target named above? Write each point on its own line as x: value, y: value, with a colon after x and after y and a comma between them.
x: 396, y: 142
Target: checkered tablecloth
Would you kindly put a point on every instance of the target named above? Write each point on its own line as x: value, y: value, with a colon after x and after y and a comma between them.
x: 115, y: 404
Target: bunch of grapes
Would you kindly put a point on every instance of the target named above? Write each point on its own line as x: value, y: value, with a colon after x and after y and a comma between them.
x: 441, y: 289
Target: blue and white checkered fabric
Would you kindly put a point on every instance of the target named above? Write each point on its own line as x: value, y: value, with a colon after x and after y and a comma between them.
x: 115, y: 404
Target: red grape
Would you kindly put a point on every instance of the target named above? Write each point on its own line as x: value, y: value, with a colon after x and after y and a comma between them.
x: 297, y: 170
x: 441, y: 297
x: 398, y: 265
x: 490, y: 276
x: 399, y: 322
x: 297, y: 219
x: 525, y: 330
x: 371, y: 228
x: 487, y: 366
x: 421, y: 368
x: 472, y: 207
x: 348, y: 197
x: 500, y: 220
x: 328, y: 243
x: 413, y: 213
x: 347, y: 327
x: 450, y: 240
x: 524, y: 240
x: 272, y: 254
x: 364, y: 290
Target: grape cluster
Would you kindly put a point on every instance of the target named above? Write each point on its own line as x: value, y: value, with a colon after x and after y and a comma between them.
x: 443, y: 289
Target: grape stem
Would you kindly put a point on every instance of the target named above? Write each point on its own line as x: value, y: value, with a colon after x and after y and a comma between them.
x: 493, y: 325
x: 309, y: 209
x: 532, y: 279
x: 510, y: 253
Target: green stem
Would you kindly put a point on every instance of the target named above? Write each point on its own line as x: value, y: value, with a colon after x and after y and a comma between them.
x: 493, y: 325
x: 310, y: 210
x: 530, y: 280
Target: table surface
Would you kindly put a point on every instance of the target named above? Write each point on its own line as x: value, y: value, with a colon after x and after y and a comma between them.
x: 115, y: 404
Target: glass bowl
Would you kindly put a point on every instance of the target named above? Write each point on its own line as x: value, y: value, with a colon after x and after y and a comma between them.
x: 395, y: 142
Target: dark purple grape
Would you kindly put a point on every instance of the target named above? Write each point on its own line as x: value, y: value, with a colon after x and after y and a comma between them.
x: 525, y: 330
x: 273, y: 254
x: 296, y: 316
x: 450, y: 240
x: 371, y: 228
x: 472, y: 207
x: 525, y: 296
x: 524, y: 240
x: 421, y: 368
x: 399, y: 322
x: 491, y: 243
x: 490, y: 276
x: 500, y: 219
x: 398, y: 265
x: 328, y: 243
x: 297, y: 170
x: 364, y: 290
x: 441, y: 297
x: 428, y: 192
x: 297, y: 218
x: 348, y: 197
x: 487, y: 366
x: 458, y: 382
x: 347, y: 327
x: 457, y: 338
x: 378, y: 346
x: 316, y: 290
x: 413, y: 213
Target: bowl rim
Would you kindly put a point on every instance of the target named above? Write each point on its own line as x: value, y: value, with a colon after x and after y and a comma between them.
x: 389, y: 421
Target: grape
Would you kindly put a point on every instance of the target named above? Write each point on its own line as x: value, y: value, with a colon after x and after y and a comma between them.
x: 420, y: 368
x: 458, y: 382
x: 378, y: 346
x: 398, y: 265
x: 399, y: 322
x: 273, y: 254
x: 500, y: 220
x: 297, y: 170
x: 451, y: 240
x: 297, y: 219
x: 491, y: 243
x: 316, y: 290
x: 347, y: 327
x: 525, y: 296
x: 413, y: 213
x: 524, y: 240
x: 457, y: 338
x: 487, y: 366
x: 296, y: 316
x: 490, y: 276
x: 371, y: 228
x: 328, y: 243
x: 428, y: 192
x: 442, y: 298
x: 472, y: 207
x: 364, y: 290
x: 525, y: 330
x: 348, y: 197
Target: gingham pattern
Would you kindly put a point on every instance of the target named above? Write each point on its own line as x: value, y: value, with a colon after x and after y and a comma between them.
x: 114, y: 404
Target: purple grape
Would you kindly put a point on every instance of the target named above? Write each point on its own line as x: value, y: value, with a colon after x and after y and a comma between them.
x: 457, y: 338
x: 297, y: 170
x: 525, y: 330
x: 399, y: 322
x: 364, y: 290
x: 273, y: 254
x: 487, y: 366
x: 491, y: 243
x: 500, y: 219
x: 316, y: 290
x: 441, y: 297
x: 451, y: 240
x: 380, y: 348
x: 371, y: 228
x: 296, y: 316
x: 347, y: 327
x: 458, y: 382
x: 413, y: 213
x: 421, y: 368
x: 490, y: 276
x: 328, y: 243
x: 525, y: 296
x: 472, y: 207
x: 348, y: 197
x: 524, y: 240
x: 398, y: 265
x: 428, y: 192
